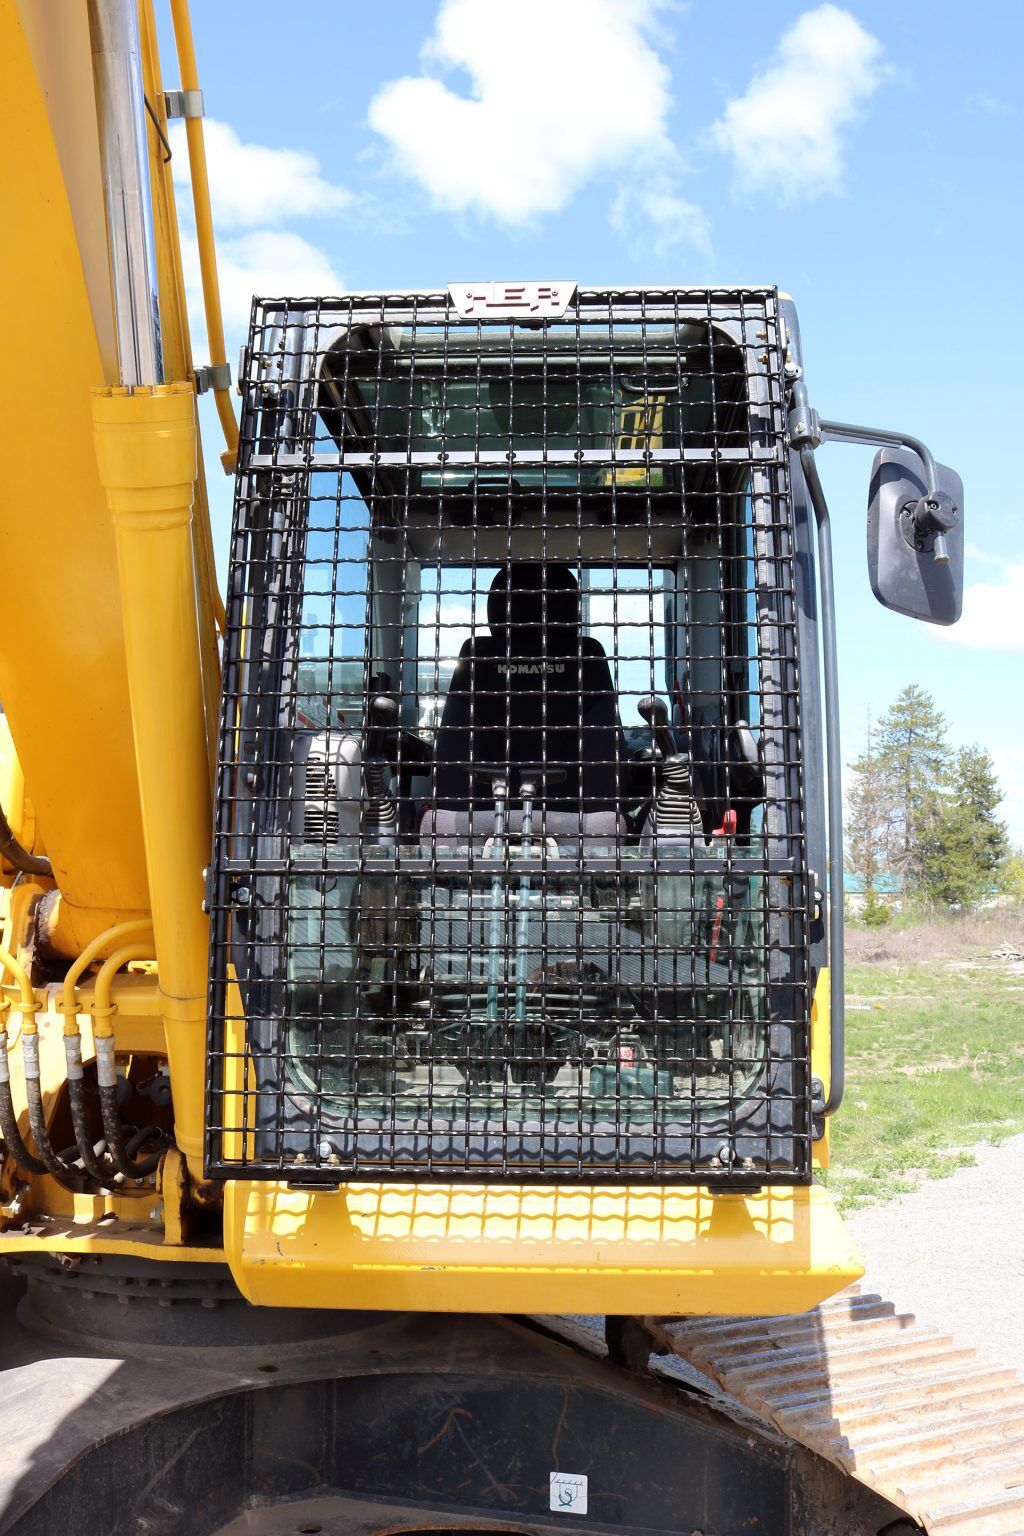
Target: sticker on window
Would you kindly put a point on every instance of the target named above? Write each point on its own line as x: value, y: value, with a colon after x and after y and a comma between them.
x: 568, y: 1493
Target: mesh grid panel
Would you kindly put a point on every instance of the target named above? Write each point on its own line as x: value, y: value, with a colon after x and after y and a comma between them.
x: 509, y: 877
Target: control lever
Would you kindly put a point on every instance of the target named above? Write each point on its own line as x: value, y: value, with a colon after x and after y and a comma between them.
x: 497, y: 776
x: 380, y: 813
x: 382, y: 721
x: 655, y: 712
x: 674, y: 811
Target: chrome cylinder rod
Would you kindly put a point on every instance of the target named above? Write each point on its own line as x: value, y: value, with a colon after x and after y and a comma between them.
x: 121, y: 114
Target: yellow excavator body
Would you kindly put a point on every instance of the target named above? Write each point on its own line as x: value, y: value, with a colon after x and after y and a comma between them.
x: 108, y: 679
x: 111, y: 642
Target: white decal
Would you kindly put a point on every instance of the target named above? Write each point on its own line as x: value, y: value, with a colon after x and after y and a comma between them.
x: 509, y: 301
x: 531, y: 668
x: 568, y: 1493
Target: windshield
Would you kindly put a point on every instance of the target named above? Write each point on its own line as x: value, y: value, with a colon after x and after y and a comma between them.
x: 521, y: 718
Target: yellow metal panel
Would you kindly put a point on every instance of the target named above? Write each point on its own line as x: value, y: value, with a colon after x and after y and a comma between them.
x: 506, y: 1248
x: 139, y: 1239
x: 59, y: 42
x: 146, y: 449
x: 821, y: 1056
x: 21, y: 817
x: 63, y: 679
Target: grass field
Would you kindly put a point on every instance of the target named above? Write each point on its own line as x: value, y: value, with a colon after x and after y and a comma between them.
x: 935, y: 1053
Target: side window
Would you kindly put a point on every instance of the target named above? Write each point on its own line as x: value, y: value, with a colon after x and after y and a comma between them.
x: 332, y: 659
x: 452, y: 609
x: 627, y: 610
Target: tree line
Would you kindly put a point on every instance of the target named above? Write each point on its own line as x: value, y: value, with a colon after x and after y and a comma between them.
x: 922, y: 817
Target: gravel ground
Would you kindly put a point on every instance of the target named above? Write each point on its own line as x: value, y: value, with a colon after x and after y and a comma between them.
x: 953, y: 1252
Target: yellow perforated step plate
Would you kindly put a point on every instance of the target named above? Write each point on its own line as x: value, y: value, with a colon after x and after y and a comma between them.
x: 511, y: 1248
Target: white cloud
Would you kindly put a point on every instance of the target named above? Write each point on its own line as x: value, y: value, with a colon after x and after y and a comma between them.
x: 252, y: 185
x: 560, y: 91
x: 274, y: 263
x: 992, y: 614
x: 654, y: 217
x: 253, y: 189
x: 992, y: 106
x: 978, y: 556
x: 785, y: 133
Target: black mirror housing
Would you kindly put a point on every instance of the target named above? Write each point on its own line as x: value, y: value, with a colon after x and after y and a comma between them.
x: 916, y: 538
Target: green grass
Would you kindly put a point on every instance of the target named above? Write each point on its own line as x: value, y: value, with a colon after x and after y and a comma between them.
x: 935, y: 1067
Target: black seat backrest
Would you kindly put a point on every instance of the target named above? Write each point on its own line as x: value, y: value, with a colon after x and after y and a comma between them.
x: 534, y: 693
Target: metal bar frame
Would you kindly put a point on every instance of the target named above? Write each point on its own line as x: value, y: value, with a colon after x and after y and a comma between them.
x: 270, y: 1133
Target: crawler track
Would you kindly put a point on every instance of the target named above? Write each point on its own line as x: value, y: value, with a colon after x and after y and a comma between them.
x: 897, y: 1405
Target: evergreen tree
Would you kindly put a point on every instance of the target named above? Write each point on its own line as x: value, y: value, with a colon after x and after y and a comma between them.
x: 962, y: 842
x: 913, y: 761
x: 868, y: 824
x: 1011, y: 875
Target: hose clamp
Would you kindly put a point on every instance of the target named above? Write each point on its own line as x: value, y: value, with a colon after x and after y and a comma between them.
x: 106, y: 1072
x: 184, y: 104
x: 73, y: 1053
x: 30, y: 1054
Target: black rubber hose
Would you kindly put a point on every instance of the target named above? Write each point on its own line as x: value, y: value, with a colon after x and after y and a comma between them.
x: 36, y: 1117
x: 83, y: 1137
x: 116, y: 1144
x: 16, y: 1148
x: 14, y: 853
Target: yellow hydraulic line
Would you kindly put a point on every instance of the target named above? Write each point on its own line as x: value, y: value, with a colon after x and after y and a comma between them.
x: 27, y: 1003
x: 177, y: 352
x: 189, y: 74
x: 69, y: 1000
x: 103, y: 1009
x: 175, y: 337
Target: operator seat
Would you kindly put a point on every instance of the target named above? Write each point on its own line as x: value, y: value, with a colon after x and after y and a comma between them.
x: 535, y: 693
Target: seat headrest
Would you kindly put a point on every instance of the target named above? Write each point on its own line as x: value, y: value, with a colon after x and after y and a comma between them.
x: 517, y: 600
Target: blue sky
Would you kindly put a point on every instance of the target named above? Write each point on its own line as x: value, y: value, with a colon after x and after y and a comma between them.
x: 865, y: 158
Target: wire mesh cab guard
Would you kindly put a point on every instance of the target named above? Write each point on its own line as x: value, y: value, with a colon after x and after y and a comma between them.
x: 509, y: 875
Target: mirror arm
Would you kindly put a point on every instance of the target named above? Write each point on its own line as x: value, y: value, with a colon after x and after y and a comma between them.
x: 833, y: 760
x: 878, y: 437
x: 805, y: 428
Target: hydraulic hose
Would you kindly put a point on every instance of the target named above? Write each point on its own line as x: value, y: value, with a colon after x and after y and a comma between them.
x: 68, y: 1005
x: 54, y: 1165
x: 14, y: 853
x: 106, y: 1071
x: 8, y: 1119
x: 189, y: 75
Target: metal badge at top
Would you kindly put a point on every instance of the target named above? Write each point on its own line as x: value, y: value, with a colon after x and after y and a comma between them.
x: 511, y: 301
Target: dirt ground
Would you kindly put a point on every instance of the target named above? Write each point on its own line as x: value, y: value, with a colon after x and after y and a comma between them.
x: 953, y: 1252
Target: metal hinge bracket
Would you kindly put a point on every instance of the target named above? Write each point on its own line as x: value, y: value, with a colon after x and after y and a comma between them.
x: 183, y: 103
x: 817, y: 1109
x: 803, y: 427
x: 213, y: 376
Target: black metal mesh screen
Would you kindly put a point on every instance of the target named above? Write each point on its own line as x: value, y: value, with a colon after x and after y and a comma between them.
x: 509, y: 871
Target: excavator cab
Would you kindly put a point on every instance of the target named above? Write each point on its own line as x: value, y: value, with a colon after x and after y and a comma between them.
x: 510, y: 877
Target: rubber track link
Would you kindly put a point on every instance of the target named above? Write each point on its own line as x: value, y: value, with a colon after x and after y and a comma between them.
x: 898, y: 1406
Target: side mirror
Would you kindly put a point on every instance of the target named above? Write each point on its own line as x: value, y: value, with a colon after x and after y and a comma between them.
x: 916, y: 538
